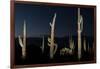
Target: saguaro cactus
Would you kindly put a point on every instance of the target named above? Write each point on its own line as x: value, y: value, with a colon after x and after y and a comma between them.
x: 71, y: 45
x: 22, y: 41
x: 88, y: 47
x: 42, y: 47
x: 53, y: 46
x: 80, y: 28
x: 84, y: 44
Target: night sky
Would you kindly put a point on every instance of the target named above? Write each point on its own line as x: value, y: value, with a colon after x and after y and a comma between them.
x: 38, y: 18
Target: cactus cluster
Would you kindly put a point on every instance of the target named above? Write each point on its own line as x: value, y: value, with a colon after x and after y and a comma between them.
x: 51, y: 41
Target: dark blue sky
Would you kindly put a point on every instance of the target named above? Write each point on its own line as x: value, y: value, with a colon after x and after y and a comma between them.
x: 38, y: 18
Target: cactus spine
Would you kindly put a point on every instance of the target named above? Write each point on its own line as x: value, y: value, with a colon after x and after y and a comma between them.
x: 22, y: 41
x: 80, y: 28
x: 53, y: 46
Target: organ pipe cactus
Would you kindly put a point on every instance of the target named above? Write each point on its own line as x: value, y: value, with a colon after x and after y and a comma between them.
x: 51, y: 44
x: 22, y: 41
x: 80, y: 28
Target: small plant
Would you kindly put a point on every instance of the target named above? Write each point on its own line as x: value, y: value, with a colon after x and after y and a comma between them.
x: 68, y: 51
x: 22, y: 41
x: 64, y: 51
x: 51, y: 44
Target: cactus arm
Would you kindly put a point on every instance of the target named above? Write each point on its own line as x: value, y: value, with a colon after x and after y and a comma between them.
x: 49, y: 39
x: 81, y: 23
x: 55, y: 48
x: 49, y: 44
x: 52, y: 29
x: 50, y: 24
x: 53, y: 23
x: 20, y: 41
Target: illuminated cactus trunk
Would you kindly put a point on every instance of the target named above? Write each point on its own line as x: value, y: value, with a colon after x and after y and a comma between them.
x: 80, y: 28
x: 22, y: 41
x: 53, y: 46
x: 42, y: 47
